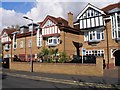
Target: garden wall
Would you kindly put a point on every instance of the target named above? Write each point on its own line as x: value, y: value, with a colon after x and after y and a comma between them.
x: 62, y: 68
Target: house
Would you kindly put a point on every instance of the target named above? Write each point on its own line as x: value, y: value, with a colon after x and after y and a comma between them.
x: 59, y: 33
x: 52, y: 32
x: 101, y: 28
x: 6, y: 42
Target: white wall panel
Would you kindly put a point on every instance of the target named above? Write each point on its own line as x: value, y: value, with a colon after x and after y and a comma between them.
x: 84, y: 23
x: 97, y: 21
x: 101, y: 21
x: 92, y: 22
x: 81, y: 24
x: 50, y: 30
x: 88, y: 23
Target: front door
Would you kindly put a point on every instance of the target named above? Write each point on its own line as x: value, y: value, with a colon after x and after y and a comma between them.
x: 117, y: 57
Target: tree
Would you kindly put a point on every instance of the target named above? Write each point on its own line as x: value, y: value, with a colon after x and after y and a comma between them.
x: 63, y: 57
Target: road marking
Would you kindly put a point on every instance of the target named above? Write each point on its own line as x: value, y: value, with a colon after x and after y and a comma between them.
x: 71, y: 82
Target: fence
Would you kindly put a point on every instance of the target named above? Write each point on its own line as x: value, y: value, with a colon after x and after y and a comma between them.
x: 62, y: 68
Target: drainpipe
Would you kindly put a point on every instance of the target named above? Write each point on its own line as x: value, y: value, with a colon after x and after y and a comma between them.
x: 107, y: 48
x: 64, y: 41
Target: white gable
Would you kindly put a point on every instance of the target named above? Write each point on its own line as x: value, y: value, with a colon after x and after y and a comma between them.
x: 89, y: 7
x: 5, y: 38
x: 48, y: 23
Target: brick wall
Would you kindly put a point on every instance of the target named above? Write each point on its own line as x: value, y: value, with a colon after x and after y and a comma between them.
x: 62, y: 68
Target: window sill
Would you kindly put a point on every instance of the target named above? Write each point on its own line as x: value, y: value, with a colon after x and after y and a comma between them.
x: 51, y: 44
x: 92, y: 41
x: 117, y: 40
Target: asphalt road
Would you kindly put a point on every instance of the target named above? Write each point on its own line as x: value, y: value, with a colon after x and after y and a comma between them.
x: 15, y: 82
x: 20, y: 79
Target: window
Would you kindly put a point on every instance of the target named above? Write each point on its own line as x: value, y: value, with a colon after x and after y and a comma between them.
x: 85, y: 36
x: 118, y: 20
x: 39, y: 38
x: 29, y: 43
x: 95, y: 52
x: 112, y: 51
x: 98, y: 35
x: 94, y: 36
x: 30, y: 28
x: 14, y: 41
x: 21, y: 44
x: 53, y: 41
x: 7, y: 47
x: 102, y: 35
x: 115, y: 25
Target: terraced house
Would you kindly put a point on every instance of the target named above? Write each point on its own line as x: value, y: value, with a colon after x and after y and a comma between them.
x: 97, y: 29
x: 101, y: 29
x: 52, y: 33
x: 6, y: 41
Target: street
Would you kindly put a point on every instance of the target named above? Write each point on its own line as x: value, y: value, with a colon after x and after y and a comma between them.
x: 19, y: 79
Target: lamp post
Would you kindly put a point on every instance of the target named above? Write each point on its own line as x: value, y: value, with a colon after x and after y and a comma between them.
x: 31, y: 62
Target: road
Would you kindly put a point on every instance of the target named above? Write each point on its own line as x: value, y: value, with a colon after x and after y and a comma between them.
x: 15, y: 79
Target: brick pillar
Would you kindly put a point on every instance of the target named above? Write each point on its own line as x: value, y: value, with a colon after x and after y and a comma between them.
x: 99, y: 64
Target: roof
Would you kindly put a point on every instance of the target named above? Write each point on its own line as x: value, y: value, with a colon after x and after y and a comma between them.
x: 9, y: 31
x: 110, y: 7
x: 58, y: 20
x: 62, y: 23
x: 89, y: 6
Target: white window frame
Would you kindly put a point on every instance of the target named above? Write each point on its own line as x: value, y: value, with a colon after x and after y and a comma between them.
x: 21, y: 44
x: 29, y: 42
x: 14, y: 41
x: 113, y: 29
x: 39, y: 38
x: 95, y: 36
x: 96, y: 52
x: 7, y: 47
x: 85, y: 36
x: 52, y: 41
x: 30, y: 28
x: 113, y: 49
x: 118, y: 24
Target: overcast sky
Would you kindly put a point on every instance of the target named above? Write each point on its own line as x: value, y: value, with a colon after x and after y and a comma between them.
x: 11, y: 13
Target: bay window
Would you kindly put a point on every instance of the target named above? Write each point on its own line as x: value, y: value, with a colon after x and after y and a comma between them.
x: 94, y: 36
x: 53, y: 41
x: 7, y: 46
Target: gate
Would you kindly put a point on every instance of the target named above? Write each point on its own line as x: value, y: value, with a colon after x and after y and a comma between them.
x: 5, y: 63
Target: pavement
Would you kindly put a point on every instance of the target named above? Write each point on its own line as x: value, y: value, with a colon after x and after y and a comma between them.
x: 102, y: 82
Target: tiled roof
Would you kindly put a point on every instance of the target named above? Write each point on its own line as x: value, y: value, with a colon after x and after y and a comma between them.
x: 8, y: 31
x: 110, y: 7
x: 57, y: 21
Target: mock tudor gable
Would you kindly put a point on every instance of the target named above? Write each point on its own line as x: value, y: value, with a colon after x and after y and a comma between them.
x: 90, y: 17
x: 49, y: 27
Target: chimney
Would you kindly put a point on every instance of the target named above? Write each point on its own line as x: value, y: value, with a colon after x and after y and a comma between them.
x: 70, y: 19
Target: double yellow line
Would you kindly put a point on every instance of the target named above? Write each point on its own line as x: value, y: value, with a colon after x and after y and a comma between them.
x: 63, y: 81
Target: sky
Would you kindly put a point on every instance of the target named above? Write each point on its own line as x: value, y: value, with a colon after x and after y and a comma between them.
x: 12, y: 11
